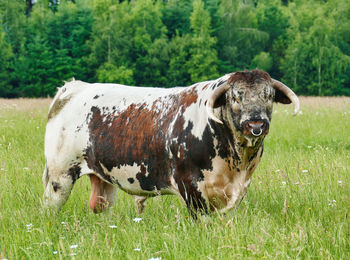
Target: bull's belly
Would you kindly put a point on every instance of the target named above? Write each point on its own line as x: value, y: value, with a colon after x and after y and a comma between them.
x: 134, y: 180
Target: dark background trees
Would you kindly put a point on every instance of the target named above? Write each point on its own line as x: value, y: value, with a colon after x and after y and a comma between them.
x: 172, y: 43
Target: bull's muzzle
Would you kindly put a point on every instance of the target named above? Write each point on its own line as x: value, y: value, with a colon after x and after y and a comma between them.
x: 256, y: 127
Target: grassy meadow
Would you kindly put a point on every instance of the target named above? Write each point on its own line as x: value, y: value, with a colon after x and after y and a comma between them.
x: 298, y: 205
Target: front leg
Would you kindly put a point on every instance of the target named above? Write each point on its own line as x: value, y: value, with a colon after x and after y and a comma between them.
x: 193, y: 198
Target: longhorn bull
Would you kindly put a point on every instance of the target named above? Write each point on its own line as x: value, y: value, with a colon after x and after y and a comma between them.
x: 201, y: 142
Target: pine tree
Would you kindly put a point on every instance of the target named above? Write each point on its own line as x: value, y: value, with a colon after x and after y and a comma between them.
x: 202, y: 64
x: 34, y: 70
x: 239, y: 39
x: 13, y: 22
x: 314, y: 63
x: 5, y: 58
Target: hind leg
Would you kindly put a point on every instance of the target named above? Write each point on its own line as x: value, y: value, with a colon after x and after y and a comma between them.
x: 58, y: 185
x: 103, y: 194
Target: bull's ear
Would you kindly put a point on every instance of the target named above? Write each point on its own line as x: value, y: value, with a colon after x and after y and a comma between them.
x: 280, y: 97
x: 285, y: 95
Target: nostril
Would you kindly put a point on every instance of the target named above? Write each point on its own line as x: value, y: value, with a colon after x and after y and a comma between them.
x: 256, y: 128
x: 256, y: 125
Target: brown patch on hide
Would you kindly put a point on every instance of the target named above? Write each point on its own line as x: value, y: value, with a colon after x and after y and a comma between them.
x: 250, y: 77
x: 138, y: 135
x: 57, y: 107
x: 143, y: 136
x: 74, y: 171
x: 205, y: 86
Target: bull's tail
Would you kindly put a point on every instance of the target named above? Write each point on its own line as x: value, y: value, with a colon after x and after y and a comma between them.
x: 63, y: 95
x: 60, y: 91
x: 45, y: 176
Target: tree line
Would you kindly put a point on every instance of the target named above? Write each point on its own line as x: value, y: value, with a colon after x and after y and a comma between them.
x: 304, y: 43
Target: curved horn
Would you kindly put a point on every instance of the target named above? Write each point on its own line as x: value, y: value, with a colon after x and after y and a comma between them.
x: 288, y: 92
x: 211, y: 101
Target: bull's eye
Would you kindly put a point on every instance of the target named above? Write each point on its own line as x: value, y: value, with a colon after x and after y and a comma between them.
x: 265, y: 95
x: 235, y: 99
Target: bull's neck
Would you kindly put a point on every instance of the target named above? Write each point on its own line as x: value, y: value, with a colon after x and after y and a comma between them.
x: 233, y: 145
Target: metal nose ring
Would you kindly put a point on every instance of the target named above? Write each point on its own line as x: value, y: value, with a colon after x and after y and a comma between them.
x: 252, y: 131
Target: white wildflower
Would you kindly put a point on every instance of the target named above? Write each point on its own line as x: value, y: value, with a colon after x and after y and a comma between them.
x: 137, y: 249
x: 309, y: 146
x: 73, y: 254
x: 73, y: 246
x: 29, y: 227
x: 155, y: 258
x: 113, y: 226
x: 305, y: 171
x: 283, y: 183
x: 137, y: 220
x: 340, y: 182
x: 332, y: 202
x: 278, y: 170
x: 55, y: 252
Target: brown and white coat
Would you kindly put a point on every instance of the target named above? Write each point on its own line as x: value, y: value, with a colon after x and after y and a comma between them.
x: 201, y: 142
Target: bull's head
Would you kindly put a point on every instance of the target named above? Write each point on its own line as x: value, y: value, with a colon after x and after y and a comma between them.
x: 245, y: 102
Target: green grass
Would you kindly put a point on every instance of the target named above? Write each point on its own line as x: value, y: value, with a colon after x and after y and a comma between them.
x: 297, y: 206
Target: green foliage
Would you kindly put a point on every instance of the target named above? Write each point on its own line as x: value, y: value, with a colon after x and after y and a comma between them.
x: 175, y: 16
x: 131, y: 36
x: 263, y: 61
x: 239, y: 38
x: 5, y: 56
x: 179, y: 54
x: 34, y: 70
x: 275, y: 21
x: 202, y: 64
x: 13, y: 22
x: 53, y: 51
x: 149, y: 43
x: 109, y: 73
x: 170, y: 43
x: 314, y: 64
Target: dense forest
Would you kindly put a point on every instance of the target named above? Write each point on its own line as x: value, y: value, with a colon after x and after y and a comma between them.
x: 304, y: 43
